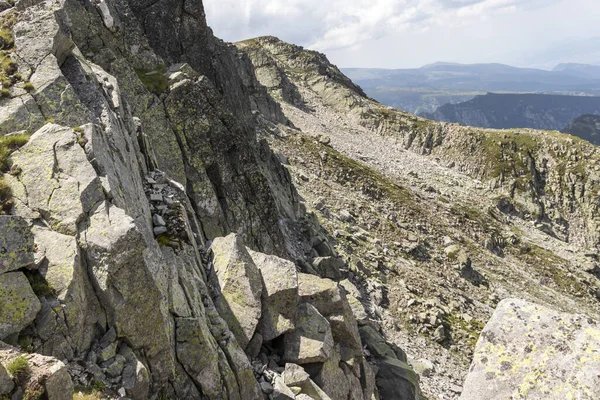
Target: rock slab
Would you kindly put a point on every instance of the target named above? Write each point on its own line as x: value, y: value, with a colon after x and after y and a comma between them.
x: 529, y: 351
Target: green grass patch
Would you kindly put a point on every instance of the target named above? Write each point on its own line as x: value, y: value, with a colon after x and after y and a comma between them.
x: 39, y: 285
x: 8, y: 144
x: 34, y: 393
x: 371, y: 182
x: 154, y: 80
x: 93, y: 392
x: 18, y: 367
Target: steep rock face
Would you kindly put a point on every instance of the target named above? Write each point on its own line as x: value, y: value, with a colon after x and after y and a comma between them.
x: 542, y: 173
x: 143, y: 150
x: 530, y: 351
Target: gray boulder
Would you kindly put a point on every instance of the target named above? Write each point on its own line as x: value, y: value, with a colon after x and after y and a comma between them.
x: 330, y: 299
x: 18, y: 304
x: 49, y: 371
x: 6, y: 383
x: 530, y: 351
x: 397, y: 380
x: 329, y: 267
x: 16, y: 243
x: 280, y: 295
x: 241, y: 287
x: 312, y: 340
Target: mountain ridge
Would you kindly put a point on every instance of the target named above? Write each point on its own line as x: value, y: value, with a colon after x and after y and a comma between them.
x: 189, y: 219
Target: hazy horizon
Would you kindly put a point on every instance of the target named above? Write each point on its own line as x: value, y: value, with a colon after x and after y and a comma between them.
x: 397, y: 34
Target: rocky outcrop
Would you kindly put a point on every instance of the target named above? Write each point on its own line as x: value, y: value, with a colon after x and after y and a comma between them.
x: 33, y: 376
x: 530, y: 351
x: 142, y: 156
x: 541, y: 172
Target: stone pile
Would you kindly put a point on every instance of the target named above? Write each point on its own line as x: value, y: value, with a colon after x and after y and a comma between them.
x: 296, y: 324
x: 168, y: 215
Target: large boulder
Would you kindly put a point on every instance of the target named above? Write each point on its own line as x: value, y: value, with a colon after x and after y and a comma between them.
x: 241, y: 287
x: 59, y: 181
x: 16, y: 243
x: 48, y: 371
x: 397, y: 380
x: 18, y: 304
x: 330, y: 299
x: 312, y: 340
x: 6, y: 383
x: 280, y: 295
x: 530, y: 351
x: 199, y: 354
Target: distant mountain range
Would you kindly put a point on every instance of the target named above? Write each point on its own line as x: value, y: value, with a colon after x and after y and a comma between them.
x: 539, y: 111
x: 424, y: 89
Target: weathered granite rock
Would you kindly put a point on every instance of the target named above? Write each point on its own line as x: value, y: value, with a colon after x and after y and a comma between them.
x: 530, y: 351
x: 329, y: 267
x: 6, y: 383
x: 241, y: 287
x: 375, y: 343
x: 280, y: 295
x: 61, y: 184
x: 119, y: 263
x: 330, y: 299
x: 20, y: 114
x: 49, y: 371
x: 18, y: 304
x: 353, y: 295
x: 281, y: 391
x: 198, y: 352
x: 16, y: 244
x: 312, y: 340
x: 294, y: 375
x: 332, y: 379
x: 397, y: 380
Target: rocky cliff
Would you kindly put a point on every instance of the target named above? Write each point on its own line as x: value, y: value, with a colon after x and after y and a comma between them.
x: 141, y: 156
x: 188, y: 219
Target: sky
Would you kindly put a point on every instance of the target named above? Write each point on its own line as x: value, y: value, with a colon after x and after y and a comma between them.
x: 412, y: 33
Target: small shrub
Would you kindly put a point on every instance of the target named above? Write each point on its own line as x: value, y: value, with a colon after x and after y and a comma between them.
x: 18, y: 367
x: 4, y: 93
x: 34, y: 393
x: 28, y: 87
x: 9, y: 66
x: 7, y: 41
x: 26, y: 343
x: 93, y: 392
x: 39, y: 285
x: 155, y: 81
x: 8, y: 144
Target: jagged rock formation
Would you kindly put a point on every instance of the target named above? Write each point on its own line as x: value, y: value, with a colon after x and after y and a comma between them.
x: 586, y: 127
x: 143, y: 152
x: 528, y: 351
x: 159, y: 247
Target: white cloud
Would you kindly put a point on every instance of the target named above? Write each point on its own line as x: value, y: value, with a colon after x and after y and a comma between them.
x: 352, y: 26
